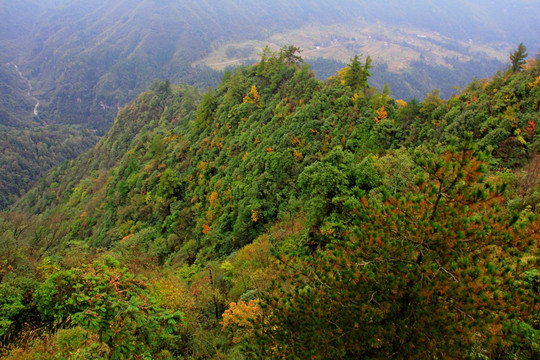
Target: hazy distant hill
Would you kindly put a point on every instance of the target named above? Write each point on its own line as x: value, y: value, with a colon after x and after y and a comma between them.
x: 89, y: 57
x: 19, y: 17
x: 479, y: 20
x: 16, y: 108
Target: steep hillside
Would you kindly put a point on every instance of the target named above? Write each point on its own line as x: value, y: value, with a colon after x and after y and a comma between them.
x: 16, y: 108
x: 86, y: 59
x: 28, y: 154
x: 30, y: 147
x: 278, y: 215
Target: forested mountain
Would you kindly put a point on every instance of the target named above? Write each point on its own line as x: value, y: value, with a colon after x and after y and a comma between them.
x: 16, y: 108
x: 27, y: 154
x: 281, y: 216
x: 86, y: 58
x: 29, y: 147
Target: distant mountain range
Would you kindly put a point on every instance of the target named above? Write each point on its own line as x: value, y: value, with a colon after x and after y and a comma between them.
x: 86, y: 58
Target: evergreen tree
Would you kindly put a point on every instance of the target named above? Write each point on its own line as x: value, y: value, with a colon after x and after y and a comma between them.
x: 357, y: 74
x: 421, y: 276
x: 518, y: 57
x: 290, y: 55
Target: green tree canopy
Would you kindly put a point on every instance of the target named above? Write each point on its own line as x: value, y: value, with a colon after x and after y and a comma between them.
x: 358, y: 73
x: 421, y: 276
x: 518, y: 57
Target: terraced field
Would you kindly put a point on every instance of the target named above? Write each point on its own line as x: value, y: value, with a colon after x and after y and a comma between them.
x: 393, y: 46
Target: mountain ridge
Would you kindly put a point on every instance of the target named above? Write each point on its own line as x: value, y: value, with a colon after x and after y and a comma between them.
x: 85, y: 59
x: 271, y: 200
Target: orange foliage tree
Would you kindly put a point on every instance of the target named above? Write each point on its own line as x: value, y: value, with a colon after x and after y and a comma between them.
x: 441, y: 272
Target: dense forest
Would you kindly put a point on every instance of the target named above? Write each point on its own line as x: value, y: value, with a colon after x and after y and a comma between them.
x: 16, y: 107
x: 27, y: 154
x: 280, y: 216
x: 82, y: 60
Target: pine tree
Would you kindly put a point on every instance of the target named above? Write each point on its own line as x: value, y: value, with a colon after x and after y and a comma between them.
x: 357, y: 74
x: 518, y: 57
x: 422, y: 276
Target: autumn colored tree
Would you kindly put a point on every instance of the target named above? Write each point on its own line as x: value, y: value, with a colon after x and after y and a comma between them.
x: 252, y: 97
x: 238, y: 319
x: 437, y: 273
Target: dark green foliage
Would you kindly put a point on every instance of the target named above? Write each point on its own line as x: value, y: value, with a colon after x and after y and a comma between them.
x: 16, y: 107
x: 11, y: 306
x: 357, y: 75
x: 28, y: 154
x: 108, y: 301
x: 290, y: 55
x: 328, y: 187
x: 518, y: 57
